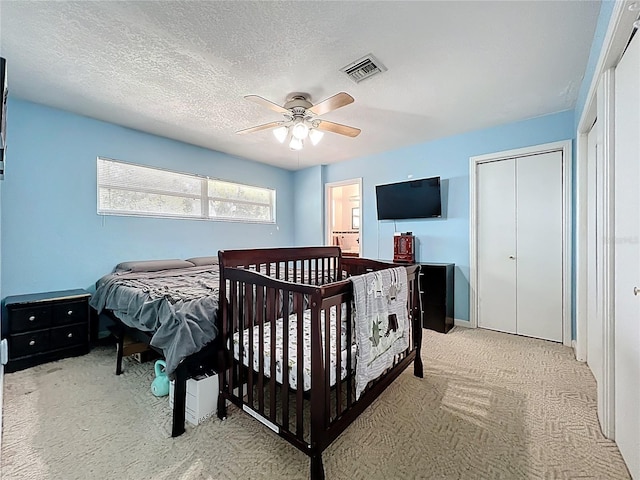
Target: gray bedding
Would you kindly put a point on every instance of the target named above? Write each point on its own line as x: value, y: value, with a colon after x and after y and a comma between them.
x: 179, y: 305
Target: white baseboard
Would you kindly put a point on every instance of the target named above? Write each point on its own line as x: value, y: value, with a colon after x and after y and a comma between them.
x: 574, y: 346
x: 462, y: 323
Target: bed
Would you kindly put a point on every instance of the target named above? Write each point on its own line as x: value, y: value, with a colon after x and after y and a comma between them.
x: 291, y: 331
x: 170, y: 305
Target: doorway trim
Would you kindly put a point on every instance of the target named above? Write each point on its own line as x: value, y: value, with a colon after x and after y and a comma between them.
x: 565, y: 147
x: 327, y: 210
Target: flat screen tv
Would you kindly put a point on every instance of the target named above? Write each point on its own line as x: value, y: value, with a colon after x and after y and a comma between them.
x: 412, y: 199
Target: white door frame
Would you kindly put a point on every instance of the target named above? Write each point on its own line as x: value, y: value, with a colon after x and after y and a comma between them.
x: 565, y: 147
x: 599, y: 103
x: 327, y: 207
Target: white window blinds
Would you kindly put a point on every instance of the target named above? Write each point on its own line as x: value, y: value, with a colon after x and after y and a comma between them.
x: 127, y: 189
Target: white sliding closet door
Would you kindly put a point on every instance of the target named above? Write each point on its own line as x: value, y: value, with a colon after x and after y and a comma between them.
x: 627, y: 257
x: 520, y: 245
x: 497, y: 245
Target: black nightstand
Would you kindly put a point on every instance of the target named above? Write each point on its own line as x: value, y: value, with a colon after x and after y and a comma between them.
x: 436, y: 296
x: 43, y: 327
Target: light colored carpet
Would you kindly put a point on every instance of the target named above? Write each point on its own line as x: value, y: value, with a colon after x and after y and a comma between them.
x: 491, y: 406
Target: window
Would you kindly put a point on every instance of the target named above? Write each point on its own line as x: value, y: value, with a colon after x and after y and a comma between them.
x: 127, y: 189
x: 355, y: 218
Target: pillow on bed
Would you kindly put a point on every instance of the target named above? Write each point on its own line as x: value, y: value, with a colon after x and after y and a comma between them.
x: 152, y: 265
x: 199, y: 261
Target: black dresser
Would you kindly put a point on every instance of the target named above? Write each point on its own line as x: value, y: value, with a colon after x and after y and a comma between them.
x: 43, y: 327
x: 436, y: 296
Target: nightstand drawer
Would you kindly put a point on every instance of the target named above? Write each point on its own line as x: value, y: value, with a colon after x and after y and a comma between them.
x: 43, y: 327
x: 70, y: 312
x: 30, y: 318
x: 69, y: 336
x: 28, y: 343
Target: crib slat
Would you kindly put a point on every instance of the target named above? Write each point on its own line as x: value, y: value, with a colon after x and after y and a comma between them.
x: 327, y: 362
x: 260, y: 322
x: 272, y: 352
x: 224, y: 306
x: 285, y: 360
x: 241, y: 327
x: 300, y: 365
x: 234, y: 325
x: 248, y: 315
x: 349, y: 361
x: 339, y: 359
x: 318, y: 416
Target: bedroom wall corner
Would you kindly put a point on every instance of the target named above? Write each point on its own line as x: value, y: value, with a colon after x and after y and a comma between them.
x: 308, y: 194
x: 604, y: 17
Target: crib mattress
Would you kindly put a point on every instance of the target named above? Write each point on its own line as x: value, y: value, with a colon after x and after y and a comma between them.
x: 293, y: 349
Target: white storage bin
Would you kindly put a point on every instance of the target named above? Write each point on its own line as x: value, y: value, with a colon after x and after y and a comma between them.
x: 201, y: 399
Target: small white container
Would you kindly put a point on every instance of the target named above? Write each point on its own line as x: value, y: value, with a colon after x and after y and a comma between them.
x: 201, y: 400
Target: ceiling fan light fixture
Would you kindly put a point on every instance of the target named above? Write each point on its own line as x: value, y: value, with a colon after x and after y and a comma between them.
x: 300, y: 130
x: 295, y: 144
x: 281, y: 133
x: 315, y: 136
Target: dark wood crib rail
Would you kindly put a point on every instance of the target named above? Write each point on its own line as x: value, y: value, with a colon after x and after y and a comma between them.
x: 251, y: 302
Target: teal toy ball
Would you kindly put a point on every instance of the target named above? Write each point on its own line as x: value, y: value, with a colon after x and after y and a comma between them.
x: 160, y: 385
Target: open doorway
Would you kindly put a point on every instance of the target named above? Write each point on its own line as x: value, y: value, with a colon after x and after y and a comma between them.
x: 344, y: 213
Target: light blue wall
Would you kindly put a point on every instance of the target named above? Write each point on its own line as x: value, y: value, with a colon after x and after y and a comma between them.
x: 445, y: 239
x: 606, y: 9
x: 53, y: 239
x: 308, y: 194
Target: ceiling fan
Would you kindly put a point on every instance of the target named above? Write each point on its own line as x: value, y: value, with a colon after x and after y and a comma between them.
x: 300, y: 120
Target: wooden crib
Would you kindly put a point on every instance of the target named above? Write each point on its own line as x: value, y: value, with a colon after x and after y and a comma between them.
x: 267, y: 291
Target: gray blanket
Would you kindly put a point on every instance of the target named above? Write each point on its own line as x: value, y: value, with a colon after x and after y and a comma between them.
x: 179, y: 306
x: 381, y: 322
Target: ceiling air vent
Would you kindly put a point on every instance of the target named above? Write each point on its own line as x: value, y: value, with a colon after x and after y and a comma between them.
x: 365, y: 67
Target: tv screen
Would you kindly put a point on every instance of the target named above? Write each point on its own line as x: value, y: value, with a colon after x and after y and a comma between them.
x: 412, y: 199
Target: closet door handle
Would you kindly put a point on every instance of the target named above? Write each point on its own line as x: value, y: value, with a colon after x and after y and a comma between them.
x: 636, y: 291
x: 512, y: 257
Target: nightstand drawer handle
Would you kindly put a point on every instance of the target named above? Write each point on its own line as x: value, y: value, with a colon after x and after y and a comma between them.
x: 70, y: 312
x: 32, y: 318
x: 32, y: 343
x: 70, y: 335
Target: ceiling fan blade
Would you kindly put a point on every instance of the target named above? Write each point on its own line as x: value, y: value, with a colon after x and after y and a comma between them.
x: 337, y: 128
x: 266, y: 103
x: 332, y: 103
x: 260, y: 127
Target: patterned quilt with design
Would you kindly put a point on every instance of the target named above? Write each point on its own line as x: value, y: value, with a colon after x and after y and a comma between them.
x: 293, y: 349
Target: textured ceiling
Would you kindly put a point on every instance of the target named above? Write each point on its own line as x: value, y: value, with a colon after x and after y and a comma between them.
x: 181, y: 69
